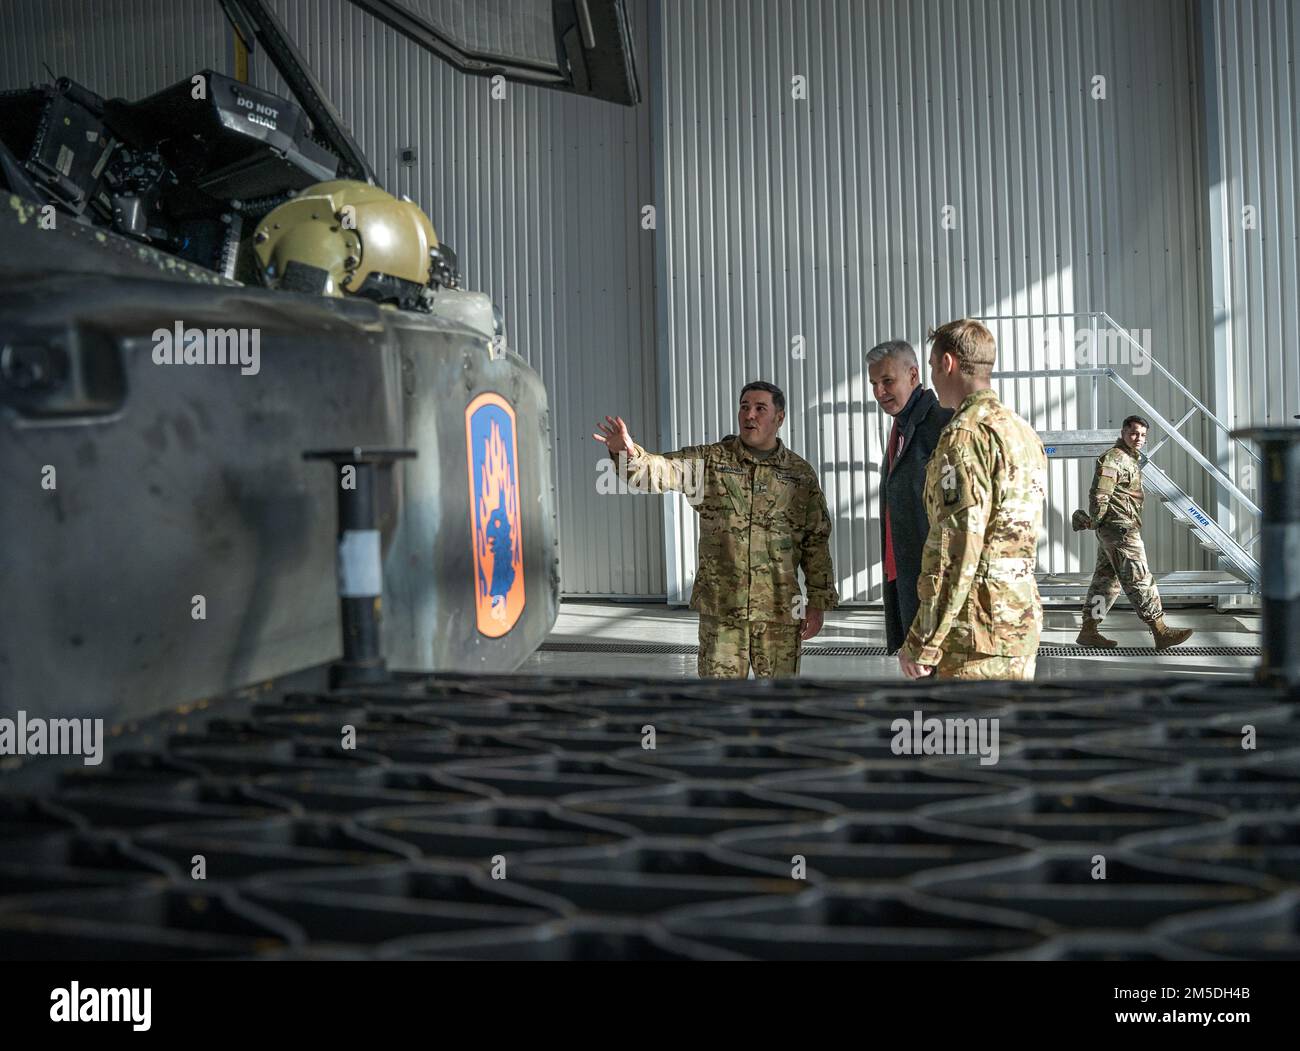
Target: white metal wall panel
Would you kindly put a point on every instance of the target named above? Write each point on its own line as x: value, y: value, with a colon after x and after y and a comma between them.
x: 1257, y: 119
x: 127, y: 48
x: 823, y: 218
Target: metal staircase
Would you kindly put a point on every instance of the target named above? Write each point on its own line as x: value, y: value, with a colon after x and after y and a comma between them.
x: 1242, y: 568
x: 1239, y: 571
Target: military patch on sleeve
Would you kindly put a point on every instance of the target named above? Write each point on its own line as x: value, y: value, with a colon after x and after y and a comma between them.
x: 955, y: 479
x: 952, y: 494
x: 1109, y: 472
x: 951, y: 482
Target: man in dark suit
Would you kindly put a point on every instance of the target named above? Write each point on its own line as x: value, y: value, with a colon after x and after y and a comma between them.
x: 918, y: 418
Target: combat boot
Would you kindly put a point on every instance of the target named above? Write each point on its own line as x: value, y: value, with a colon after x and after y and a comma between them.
x: 1090, y: 635
x: 1166, y: 636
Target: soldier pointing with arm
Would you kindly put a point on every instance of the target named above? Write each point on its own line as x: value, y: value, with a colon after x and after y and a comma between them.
x: 979, y: 615
x: 762, y: 518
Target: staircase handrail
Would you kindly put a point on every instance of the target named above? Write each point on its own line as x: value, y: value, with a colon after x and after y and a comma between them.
x: 1180, y: 439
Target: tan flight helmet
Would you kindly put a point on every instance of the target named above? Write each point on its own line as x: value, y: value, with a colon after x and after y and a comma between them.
x: 344, y: 237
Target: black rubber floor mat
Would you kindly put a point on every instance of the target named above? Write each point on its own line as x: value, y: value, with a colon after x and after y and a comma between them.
x: 462, y: 817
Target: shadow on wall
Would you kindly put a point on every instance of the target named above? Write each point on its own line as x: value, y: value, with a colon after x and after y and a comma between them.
x: 851, y: 535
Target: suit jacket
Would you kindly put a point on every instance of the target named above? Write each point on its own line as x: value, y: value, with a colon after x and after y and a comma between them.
x: 902, y: 490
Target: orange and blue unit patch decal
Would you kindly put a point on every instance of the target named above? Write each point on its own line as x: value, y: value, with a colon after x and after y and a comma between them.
x: 495, y: 520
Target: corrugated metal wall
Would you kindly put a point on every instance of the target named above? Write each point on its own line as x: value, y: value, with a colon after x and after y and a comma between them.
x: 823, y: 218
x: 820, y: 217
x: 539, y: 193
x: 129, y: 48
x: 1255, y: 160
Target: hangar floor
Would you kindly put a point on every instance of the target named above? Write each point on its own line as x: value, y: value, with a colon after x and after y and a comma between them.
x: 613, y: 638
x: 524, y: 817
x: 604, y: 809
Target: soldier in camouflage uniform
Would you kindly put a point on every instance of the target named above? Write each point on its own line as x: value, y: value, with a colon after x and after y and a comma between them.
x: 1115, y: 511
x: 762, y: 518
x: 979, y: 614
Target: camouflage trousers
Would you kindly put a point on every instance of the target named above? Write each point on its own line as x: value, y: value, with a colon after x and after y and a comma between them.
x: 1122, y: 565
x: 730, y: 646
x: 985, y: 666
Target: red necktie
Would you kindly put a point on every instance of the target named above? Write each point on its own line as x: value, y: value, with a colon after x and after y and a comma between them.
x: 891, y: 571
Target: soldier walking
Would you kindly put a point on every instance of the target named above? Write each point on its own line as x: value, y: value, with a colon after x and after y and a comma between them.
x: 1115, y: 511
x: 762, y: 517
x: 979, y: 614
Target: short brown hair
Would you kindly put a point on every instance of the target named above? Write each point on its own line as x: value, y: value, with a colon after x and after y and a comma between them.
x: 969, y: 342
x: 778, y: 397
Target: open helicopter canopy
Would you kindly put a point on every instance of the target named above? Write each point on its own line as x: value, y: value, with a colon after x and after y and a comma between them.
x: 583, y: 46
